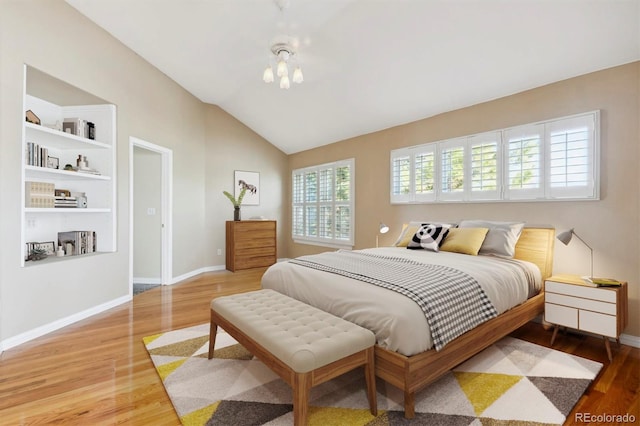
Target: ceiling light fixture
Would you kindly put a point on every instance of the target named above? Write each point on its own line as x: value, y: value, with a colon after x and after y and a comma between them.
x: 284, y: 56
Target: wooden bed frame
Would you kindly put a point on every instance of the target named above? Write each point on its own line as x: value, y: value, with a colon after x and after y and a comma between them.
x: 413, y: 373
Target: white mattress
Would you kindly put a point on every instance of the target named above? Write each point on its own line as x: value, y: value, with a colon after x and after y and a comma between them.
x: 398, y: 322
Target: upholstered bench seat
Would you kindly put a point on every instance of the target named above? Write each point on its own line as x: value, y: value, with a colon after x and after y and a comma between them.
x: 302, y: 344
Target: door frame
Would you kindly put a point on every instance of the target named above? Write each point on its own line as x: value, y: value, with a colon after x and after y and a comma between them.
x: 166, y: 216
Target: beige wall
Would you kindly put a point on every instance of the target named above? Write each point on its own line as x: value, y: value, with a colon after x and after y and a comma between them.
x: 611, y: 225
x: 232, y: 146
x: 53, y: 37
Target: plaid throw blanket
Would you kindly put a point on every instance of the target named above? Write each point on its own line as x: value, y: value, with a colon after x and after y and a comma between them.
x: 453, y: 302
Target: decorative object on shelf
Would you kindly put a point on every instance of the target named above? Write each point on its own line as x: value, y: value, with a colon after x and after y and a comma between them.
x: 81, y: 199
x: 250, y: 182
x: 31, y: 117
x: 565, y: 238
x: 236, y: 202
x: 82, y: 162
x: 39, y: 251
x: 284, y: 50
x: 382, y: 229
x: 68, y: 167
x: 53, y: 162
x: 60, y: 252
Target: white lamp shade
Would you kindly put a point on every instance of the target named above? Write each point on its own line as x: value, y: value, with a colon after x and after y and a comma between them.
x: 297, y: 75
x: 267, y: 76
x: 383, y: 228
x: 282, y: 69
x: 284, y: 82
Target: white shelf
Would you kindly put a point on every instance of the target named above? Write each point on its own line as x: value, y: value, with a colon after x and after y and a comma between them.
x: 66, y: 210
x: 60, y: 140
x: 54, y: 258
x: 37, y: 172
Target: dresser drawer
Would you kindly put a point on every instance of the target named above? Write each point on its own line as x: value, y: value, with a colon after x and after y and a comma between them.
x: 561, y: 315
x: 255, y: 251
x: 602, y: 294
x: 576, y: 302
x: 594, y: 322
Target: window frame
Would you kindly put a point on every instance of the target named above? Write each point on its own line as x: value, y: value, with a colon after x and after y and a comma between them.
x: 504, y: 192
x: 303, y: 204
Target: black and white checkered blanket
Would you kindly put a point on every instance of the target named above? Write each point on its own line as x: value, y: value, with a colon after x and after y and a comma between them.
x: 453, y: 302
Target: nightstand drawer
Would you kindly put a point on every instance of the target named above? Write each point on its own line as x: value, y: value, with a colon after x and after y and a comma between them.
x: 594, y: 293
x: 576, y: 302
x: 598, y: 323
x: 561, y: 315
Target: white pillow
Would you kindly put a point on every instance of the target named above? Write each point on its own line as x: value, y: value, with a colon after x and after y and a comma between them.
x: 501, y: 239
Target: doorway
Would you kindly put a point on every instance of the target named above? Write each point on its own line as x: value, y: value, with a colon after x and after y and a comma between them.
x: 150, y: 192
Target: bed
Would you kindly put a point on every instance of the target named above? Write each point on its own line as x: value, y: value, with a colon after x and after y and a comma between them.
x: 405, y: 353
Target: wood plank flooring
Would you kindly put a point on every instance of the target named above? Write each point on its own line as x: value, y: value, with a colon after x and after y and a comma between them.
x: 98, y: 372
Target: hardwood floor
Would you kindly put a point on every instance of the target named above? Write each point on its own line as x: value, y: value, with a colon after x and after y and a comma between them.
x: 98, y: 372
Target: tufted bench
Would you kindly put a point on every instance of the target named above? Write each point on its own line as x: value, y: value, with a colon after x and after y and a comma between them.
x: 302, y: 344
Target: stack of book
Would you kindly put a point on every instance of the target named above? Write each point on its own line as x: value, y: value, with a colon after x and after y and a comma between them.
x: 77, y: 242
x: 36, y: 155
x: 62, y: 201
x: 601, y: 282
x: 39, y: 194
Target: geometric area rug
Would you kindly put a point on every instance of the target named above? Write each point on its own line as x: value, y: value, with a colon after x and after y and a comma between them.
x: 512, y: 382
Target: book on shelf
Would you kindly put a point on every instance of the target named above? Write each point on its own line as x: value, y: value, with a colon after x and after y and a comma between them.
x: 39, y: 194
x: 601, y: 282
x: 77, y: 242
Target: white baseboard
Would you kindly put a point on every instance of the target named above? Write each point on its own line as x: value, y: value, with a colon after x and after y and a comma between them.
x: 629, y: 340
x: 197, y: 272
x: 58, y: 324
x: 143, y: 280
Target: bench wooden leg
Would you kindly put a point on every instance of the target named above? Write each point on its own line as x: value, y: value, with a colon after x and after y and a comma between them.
x: 301, y: 390
x: 213, y: 331
x: 370, y: 377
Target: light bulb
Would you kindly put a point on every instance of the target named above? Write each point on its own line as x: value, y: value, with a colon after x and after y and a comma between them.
x: 297, y: 75
x: 267, y: 76
x: 284, y: 82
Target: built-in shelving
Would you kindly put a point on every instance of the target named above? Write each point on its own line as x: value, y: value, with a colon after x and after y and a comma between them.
x: 52, y: 106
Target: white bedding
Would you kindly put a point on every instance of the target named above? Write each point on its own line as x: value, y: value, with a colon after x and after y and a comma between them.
x: 398, y: 323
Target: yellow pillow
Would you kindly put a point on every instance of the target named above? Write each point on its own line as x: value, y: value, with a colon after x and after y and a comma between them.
x: 464, y: 240
x: 407, y: 233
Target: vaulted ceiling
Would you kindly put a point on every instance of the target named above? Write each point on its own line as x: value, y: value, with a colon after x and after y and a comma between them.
x: 368, y: 64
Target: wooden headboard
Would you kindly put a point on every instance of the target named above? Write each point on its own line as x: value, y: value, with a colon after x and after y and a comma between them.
x: 536, y: 246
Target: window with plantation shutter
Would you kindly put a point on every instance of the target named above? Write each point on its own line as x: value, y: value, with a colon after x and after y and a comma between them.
x: 552, y: 160
x: 323, y: 200
x: 452, y: 173
x: 571, y: 159
x: 524, y: 162
x: 485, y: 174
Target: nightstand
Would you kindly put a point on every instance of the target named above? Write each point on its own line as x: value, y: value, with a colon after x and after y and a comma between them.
x: 569, y: 302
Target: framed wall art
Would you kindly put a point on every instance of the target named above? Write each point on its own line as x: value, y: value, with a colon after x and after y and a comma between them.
x: 250, y: 181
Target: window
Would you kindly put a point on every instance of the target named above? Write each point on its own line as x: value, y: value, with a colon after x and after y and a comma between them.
x: 556, y: 159
x: 323, y: 200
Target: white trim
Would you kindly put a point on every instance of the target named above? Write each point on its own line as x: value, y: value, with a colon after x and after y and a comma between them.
x: 199, y: 271
x: 146, y: 280
x: 166, y: 188
x: 63, y: 322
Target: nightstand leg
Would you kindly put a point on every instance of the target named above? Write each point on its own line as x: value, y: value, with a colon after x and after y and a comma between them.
x: 608, y: 346
x: 555, y: 333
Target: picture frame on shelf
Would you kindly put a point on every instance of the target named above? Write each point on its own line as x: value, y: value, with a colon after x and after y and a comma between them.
x: 250, y: 181
x: 49, y: 247
x: 53, y: 162
x: 70, y: 127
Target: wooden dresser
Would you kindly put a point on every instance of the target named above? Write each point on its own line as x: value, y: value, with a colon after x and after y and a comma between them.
x: 250, y: 244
